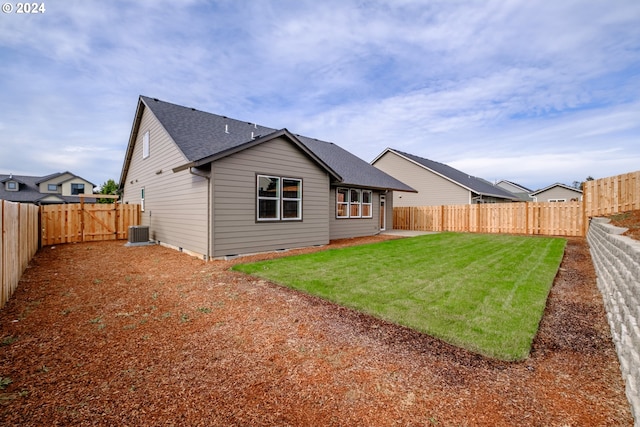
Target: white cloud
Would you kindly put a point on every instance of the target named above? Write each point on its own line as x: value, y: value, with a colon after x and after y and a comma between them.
x: 452, y: 81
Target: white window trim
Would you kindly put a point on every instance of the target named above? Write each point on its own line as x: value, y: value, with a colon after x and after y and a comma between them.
x: 259, y: 197
x: 345, y: 203
x: 145, y: 145
x: 360, y: 203
x: 290, y: 199
x: 557, y: 200
x: 280, y: 199
x: 370, y: 204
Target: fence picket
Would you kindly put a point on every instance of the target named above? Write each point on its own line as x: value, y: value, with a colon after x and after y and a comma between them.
x: 546, y: 218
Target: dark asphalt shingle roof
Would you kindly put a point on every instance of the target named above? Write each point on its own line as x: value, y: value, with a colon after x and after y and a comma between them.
x: 200, y: 135
x: 475, y: 184
x: 28, y: 188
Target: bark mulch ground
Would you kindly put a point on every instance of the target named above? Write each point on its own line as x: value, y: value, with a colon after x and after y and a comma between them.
x: 102, y: 334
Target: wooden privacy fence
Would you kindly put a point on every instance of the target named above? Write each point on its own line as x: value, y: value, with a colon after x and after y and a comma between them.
x: 607, y: 196
x: 22, y: 224
x: 557, y: 219
x: 18, y: 244
x: 83, y: 222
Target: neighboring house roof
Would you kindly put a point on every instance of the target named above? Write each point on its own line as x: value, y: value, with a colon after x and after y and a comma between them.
x: 522, y: 188
x: 10, y: 178
x: 518, y: 190
x: 53, y: 176
x: 557, y: 184
x: 29, y: 190
x: 471, y: 183
x: 205, y: 137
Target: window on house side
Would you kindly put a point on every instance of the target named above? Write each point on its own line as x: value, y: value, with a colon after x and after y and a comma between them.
x: 145, y: 145
x: 142, y: 199
x: 367, y: 197
x: 278, y: 198
x: 77, y: 189
x: 268, y: 198
x: 52, y: 187
x: 342, y: 203
x: 12, y: 186
x: 291, y: 198
x: 354, y: 203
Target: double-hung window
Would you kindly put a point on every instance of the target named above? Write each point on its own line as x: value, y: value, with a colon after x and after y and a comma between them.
x: 342, y: 203
x: 367, y: 211
x: 291, y: 198
x: 354, y: 203
x: 279, y: 199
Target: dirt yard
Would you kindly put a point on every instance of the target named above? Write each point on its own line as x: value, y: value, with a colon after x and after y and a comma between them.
x: 101, y: 334
x: 629, y: 220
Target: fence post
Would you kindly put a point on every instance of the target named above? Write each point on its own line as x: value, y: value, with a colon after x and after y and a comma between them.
x: 583, y: 216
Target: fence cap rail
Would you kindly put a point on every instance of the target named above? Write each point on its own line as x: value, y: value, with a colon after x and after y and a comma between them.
x: 99, y: 196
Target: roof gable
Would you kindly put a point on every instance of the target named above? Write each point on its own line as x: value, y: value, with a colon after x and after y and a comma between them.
x: 514, y: 184
x: 557, y: 184
x: 471, y: 183
x: 61, y: 177
x: 283, y: 133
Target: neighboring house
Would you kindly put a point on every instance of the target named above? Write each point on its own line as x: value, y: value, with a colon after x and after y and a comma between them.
x: 437, y: 183
x: 557, y: 193
x: 214, y: 186
x: 62, y: 187
x: 521, y: 192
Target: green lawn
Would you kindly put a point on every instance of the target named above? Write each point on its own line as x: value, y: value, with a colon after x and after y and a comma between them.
x: 486, y: 293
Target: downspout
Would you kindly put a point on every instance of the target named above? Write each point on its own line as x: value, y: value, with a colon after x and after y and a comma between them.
x: 194, y: 171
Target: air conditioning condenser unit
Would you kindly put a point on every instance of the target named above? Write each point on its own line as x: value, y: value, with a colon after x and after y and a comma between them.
x: 138, y: 235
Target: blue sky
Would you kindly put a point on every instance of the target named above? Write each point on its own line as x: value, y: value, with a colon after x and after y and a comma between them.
x: 532, y: 91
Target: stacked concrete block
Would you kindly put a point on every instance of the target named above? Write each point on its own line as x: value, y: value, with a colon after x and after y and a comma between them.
x: 617, y: 262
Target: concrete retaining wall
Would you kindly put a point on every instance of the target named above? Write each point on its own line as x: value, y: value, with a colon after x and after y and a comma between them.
x: 617, y: 262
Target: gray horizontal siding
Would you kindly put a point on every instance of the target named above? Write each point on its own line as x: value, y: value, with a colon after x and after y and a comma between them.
x: 234, y: 213
x: 342, y: 228
x: 558, y: 193
x: 175, y: 203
